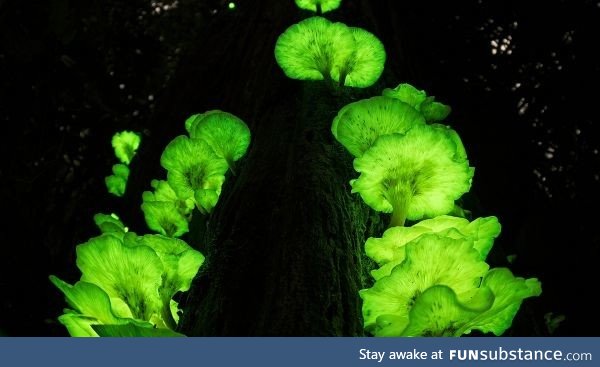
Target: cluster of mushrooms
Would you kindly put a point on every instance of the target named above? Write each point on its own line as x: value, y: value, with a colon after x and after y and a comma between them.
x: 125, y: 145
x: 432, y: 278
x: 128, y: 281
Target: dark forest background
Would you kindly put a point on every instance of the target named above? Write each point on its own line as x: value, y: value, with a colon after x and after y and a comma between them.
x: 521, y: 78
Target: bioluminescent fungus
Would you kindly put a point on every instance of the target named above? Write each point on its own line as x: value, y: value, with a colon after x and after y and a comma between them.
x: 117, y: 182
x: 319, y: 6
x: 365, y: 65
x: 164, y: 212
x: 228, y: 135
x: 389, y: 250
x: 110, y: 223
x: 310, y: 49
x: 431, y: 110
x: 430, y: 260
x: 125, y: 144
x: 509, y: 292
x: 413, y: 175
x: 180, y: 264
x: 131, y: 274
x: 358, y: 125
x: 194, y: 171
x: 89, y: 305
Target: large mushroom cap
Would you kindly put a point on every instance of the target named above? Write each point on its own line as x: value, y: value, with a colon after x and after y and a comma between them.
x: 228, y: 135
x: 430, y: 260
x: 359, y: 124
x: 420, y: 173
x: 326, y: 5
x: 125, y: 144
x: 310, y: 49
x: 365, y: 65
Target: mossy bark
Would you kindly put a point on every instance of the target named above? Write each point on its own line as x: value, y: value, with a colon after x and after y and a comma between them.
x: 284, y: 244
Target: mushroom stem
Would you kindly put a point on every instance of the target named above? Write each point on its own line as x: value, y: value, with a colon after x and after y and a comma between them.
x: 319, y: 10
x: 400, y: 200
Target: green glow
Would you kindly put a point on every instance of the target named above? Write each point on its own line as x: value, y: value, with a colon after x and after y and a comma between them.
x: 164, y: 212
x: 358, y: 125
x: 110, y: 224
x: 126, y: 143
x: 313, y: 5
x: 310, y: 49
x: 431, y: 110
x: 430, y: 260
x: 440, y: 312
x: 131, y: 274
x: 117, y: 182
x: 389, y: 250
x: 225, y: 133
x: 365, y: 65
x: 231, y: 6
x: 180, y: 263
x: 509, y: 292
x: 419, y: 174
x: 193, y: 166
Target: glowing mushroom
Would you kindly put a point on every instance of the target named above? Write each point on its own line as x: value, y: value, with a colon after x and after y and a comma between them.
x: 430, y: 260
x: 228, y: 135
x: 312, y: 48
x: 194, y: 171
x: 319, y: 6
x: 431, y: 110
x: 415, y: 175
x: 365, y: 65
x: 358, y: 125
x: 164, y: 212
x: 389, y: 250
x: 117, y: 182
x: 125, y: 144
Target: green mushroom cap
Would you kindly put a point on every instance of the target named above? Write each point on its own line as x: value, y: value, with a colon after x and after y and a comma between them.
x: 193, y: 166
x: 415, y: 175
x: 431, y: 110
x: 389, y: 250
x: 228, y: 135
x: 365, y: 65
x: 358, y: 125
x: 164, y: 212
x: 313, y: 5
x: 430, y: 260
x: 132, y: 275
x: 310, y: 49
x: 125, y: 144
x: 117, y: 182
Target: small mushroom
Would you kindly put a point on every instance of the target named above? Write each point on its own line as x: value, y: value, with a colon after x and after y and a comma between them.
x: 358, y: 125
x: 117, y: 182
x: 125, y: 144
x: 192, y: 168
x: 228, y: 135
x: 431, y: 110
x: 164, y: 212
x: 310, y: 49
x: 319, y: 6
x: 415, y: 175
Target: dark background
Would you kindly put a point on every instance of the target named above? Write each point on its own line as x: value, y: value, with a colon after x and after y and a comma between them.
x: 521, y: 78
